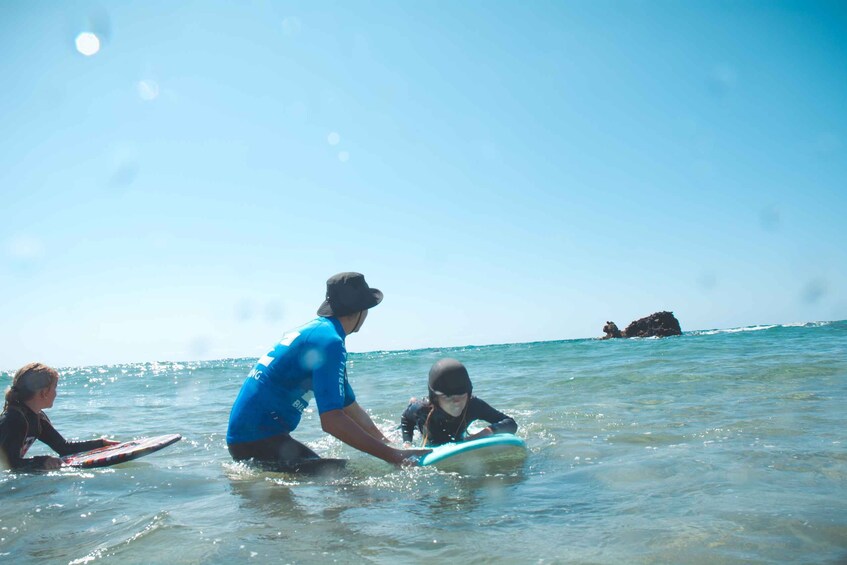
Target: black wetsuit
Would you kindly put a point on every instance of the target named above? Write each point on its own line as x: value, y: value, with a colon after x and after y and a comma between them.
x: 282, y: 453
x: 444, y: 428
x: 20, y: 427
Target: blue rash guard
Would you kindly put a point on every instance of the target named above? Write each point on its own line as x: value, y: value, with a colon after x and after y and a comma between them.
x: 308, y: 361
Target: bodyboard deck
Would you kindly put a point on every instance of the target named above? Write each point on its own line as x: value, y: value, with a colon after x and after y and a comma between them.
x: 120, y: 453
x: 477, y: 452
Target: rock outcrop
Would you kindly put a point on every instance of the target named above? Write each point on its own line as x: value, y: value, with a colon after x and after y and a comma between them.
x: 658, y: 324
x: 611, y: 330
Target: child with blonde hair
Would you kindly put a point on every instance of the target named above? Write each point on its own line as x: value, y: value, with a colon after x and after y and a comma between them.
x: 23, y: 421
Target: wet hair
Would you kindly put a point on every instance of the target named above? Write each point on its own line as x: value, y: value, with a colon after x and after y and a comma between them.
x: 29, y: 379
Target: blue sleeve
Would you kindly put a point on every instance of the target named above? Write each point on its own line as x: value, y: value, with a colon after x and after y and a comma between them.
x: 329, y: 379
x: 349, y: 395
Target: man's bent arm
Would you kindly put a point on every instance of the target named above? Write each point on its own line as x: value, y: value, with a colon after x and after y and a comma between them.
x: 337, y: 423
x: 358, y: 414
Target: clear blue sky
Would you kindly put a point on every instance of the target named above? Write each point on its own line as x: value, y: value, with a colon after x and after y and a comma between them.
x: 503, y: 171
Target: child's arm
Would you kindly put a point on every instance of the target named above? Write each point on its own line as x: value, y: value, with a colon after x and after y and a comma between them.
x: 407, y: 422
x: 60, y: 445
x: 499, y: 423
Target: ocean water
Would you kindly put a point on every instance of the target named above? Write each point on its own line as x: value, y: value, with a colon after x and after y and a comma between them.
x: 723, y: 446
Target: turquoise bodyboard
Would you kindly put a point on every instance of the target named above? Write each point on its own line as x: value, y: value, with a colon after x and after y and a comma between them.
x: 488, y: 449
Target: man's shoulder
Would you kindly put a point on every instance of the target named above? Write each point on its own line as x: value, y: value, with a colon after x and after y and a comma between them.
x: 319, y: 332
x: 321, y: 329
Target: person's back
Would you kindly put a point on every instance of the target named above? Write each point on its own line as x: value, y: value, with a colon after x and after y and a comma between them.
x: 305, y: 363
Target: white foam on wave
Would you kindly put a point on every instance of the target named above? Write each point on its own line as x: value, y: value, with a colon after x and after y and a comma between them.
x: 807, y: 325
x: 732, y: 330
x: 759, y: 328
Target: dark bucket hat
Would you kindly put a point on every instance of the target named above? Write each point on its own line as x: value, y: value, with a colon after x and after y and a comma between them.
x: 347, y: 293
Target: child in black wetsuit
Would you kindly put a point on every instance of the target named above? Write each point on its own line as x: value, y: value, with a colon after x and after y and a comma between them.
x: 445, y: 416
x: 23, y: 421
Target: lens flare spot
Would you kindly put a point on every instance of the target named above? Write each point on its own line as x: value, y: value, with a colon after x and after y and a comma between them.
x: 343, y: 156
x: 312, y: 359
x: 273, y: 312
x: 814, y: 290
x: 333, y: 138
x: 148, y: 90
x: 769, y: 218
x: 25, y: 248
x: 291, y: 26
x: 87, y: 43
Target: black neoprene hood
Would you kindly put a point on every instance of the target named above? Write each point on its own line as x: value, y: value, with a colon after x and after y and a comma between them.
x: 449, y: 376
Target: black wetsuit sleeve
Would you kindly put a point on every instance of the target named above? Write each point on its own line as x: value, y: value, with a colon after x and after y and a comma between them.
x: 12, y: 435
x: 408, y: 421
x: 498, y: 422
x: 60, y: 445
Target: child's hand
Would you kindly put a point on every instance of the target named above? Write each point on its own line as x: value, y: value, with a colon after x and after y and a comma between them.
x: 411, y: 457
x: 480, y: 434
x: 52, y: 463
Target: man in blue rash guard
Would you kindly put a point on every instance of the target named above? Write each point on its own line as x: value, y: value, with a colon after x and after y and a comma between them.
x: 310, y: 362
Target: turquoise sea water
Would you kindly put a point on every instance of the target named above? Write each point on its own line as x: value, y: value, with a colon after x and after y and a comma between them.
x: 723, y: 446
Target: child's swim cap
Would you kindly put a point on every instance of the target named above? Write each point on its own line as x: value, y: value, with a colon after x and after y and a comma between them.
x: 449, y: 377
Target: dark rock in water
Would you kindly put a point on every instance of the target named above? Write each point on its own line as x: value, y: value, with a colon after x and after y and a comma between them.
x: 659, y: 324
x: 611, y: 330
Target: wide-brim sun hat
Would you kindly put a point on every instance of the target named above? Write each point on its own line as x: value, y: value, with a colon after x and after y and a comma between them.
x: 348, y: 293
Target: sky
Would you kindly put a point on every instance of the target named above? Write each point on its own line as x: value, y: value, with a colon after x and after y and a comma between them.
x: 179, y: 179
